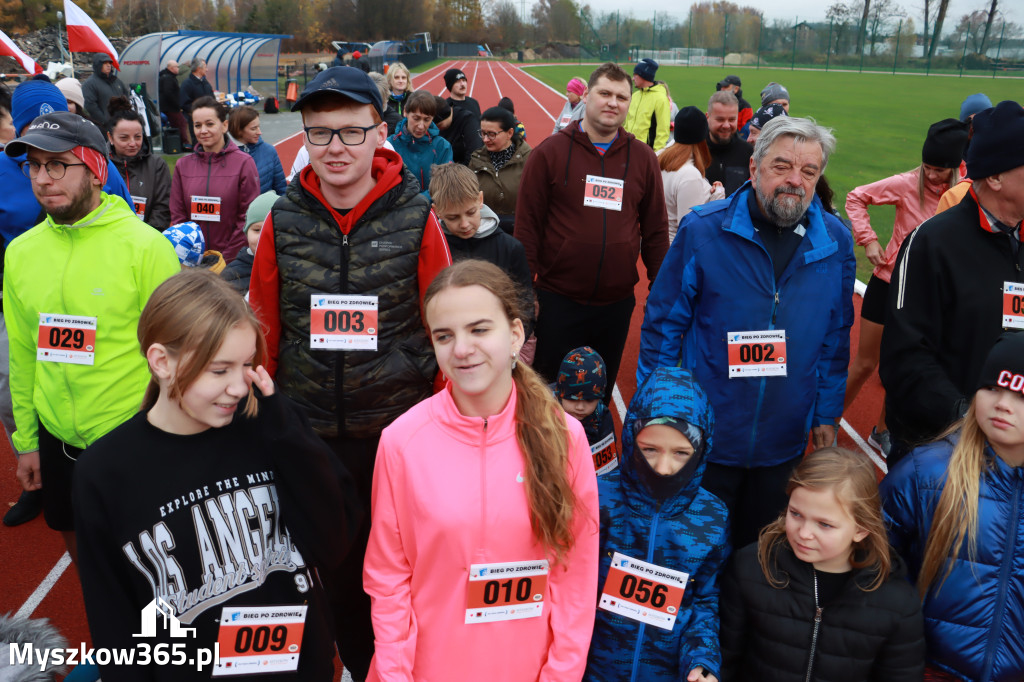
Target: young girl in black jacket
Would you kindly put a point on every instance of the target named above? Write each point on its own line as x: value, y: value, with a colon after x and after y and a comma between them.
x: 821, y: 596
x: 216, y: 502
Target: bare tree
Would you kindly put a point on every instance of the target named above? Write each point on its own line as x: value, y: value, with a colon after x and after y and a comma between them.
x: 988, y: 25
x: 864, y: 26
x: 943, y: 6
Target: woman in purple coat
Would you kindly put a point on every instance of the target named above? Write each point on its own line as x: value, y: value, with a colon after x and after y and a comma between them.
x: 215, y: 184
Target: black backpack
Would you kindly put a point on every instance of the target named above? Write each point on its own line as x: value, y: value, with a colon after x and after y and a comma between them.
x: 270, y: 106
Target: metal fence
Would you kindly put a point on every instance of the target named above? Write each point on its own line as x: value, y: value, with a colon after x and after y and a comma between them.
x: 969, y: 45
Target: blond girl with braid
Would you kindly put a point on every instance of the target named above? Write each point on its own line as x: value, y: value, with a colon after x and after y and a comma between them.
x: 956, y: 512
x: 483, y: 552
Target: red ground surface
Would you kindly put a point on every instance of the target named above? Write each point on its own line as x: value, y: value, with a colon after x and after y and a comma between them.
x: 31, y: 552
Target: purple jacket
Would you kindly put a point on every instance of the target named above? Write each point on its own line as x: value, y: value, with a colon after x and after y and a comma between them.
x: 229, y: 175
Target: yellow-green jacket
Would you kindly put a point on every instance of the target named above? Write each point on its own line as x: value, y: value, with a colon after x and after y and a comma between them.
x: 104, y: 266
x: 649, y: 118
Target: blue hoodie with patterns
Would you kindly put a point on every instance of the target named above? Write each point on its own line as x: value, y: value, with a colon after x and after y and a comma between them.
x: 687, y: 532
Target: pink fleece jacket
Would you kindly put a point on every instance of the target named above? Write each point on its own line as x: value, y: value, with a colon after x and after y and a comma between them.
x: 899, y: 191
x: 448, y: 492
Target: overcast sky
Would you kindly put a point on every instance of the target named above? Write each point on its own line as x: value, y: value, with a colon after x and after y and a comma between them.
x: 804, y: 10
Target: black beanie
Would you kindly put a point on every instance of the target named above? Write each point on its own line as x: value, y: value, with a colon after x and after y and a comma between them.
x: 998, y: 142
x: 691, y: 126
x: 452, y: 75
x: 646, y: 69
x: 944, y: 146
x: 1004, y: 365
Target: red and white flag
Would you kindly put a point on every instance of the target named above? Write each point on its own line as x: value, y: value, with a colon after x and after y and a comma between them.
x: 84, y: 35
x: 9, y: 49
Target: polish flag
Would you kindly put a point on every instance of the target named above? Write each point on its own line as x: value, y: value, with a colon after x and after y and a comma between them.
x: 84, y: 35
x: 9, y: 49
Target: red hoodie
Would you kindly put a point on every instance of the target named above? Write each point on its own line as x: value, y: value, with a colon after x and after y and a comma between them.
x: 264, y: 285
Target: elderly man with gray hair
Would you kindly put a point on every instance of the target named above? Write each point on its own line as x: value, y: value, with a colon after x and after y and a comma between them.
x: 194, y: 87
x: 755, y: 297
x: 170, y: 99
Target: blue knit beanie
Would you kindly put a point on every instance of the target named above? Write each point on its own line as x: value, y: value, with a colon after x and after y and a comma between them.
x: 974, y: 104
x: 998, y: 142
x: 646, y: 69
x: 32, y: 99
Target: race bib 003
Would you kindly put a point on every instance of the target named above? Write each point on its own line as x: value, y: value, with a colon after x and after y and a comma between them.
x: 343, y: 322
x: 1013, y: 305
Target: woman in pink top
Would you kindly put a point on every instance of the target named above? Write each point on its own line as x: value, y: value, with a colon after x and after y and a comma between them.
x: 915, y: 194
x: 483, y: 552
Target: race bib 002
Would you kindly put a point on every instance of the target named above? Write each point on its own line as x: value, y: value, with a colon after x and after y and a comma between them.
x: 757, y: 354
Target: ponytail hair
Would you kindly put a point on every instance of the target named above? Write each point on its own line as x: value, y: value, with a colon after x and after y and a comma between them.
x: 120, y: 109
x: 540, y: 421
x: 956, y: 515
x: 852, y: 479
x: 190, y: 314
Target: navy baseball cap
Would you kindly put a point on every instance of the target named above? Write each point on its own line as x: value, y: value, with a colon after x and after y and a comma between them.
x: 59, y: 131
x: 347, y: 81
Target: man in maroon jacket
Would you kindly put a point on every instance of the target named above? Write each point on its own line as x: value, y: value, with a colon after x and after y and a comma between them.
x: 590, y: 203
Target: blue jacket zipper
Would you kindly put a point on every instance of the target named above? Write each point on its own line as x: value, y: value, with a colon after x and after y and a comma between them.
x: 1004, y: 578
x: 643, y: 626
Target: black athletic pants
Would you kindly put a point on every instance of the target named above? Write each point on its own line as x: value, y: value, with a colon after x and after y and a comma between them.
x: 349, y: 602
x: 755, y: 497
x: 564, y: 324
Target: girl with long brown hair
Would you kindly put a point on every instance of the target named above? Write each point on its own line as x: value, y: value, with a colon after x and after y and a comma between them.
x: 217, y: 500
x: 821, y: 596
x: 682, y: 168
x: 956, y: 512
x: 482, y: 560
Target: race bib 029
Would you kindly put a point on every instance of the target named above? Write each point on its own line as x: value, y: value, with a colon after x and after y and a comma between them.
x: 66, y: 338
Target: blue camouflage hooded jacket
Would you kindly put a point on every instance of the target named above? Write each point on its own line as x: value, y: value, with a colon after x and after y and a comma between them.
x: 687, y: 532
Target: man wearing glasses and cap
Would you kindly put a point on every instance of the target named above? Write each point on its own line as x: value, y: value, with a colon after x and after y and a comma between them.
x: 457, y: 84
x: 347, y: 342
x: 74, y: 288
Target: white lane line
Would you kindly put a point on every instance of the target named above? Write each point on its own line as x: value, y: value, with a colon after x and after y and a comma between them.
x: 472, y: 85
x: 879, y: 462
x: 620, y: 405
x: 44, y: 587
x: 528, y: 93
x: 422, y: 84
x: 527, y: 73
x: 497, y: 87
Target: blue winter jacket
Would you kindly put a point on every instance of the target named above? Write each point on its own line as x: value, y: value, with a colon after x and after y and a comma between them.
x: 268, y: 165
x: 419, y: 155
x: 19, y: 209
x: 974, y: 623
x: 718, y: 278
x: 687, y: 532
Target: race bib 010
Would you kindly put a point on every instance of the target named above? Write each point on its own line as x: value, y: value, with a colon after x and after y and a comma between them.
x: 506, y: 591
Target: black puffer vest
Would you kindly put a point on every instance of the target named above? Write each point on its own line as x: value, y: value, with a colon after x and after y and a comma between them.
x: 354, y: 393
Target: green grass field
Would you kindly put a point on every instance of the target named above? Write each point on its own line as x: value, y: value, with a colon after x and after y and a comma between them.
x: 879, y: 120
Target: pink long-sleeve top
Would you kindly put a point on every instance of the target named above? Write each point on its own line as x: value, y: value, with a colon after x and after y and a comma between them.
x: 899, y: 191
x: 449, y: 492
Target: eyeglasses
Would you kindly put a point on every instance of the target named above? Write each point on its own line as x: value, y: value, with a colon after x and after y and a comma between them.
x: 350, y: 137
x: 488, y: 135
x: 55, y: 169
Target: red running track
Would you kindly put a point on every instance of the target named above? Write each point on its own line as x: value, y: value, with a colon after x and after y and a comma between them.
x: 34, y: 575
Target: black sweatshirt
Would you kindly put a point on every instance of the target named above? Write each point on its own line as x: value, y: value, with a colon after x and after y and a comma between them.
x: 945, y: 313
x: 730, y: 163
x: 230, y: 517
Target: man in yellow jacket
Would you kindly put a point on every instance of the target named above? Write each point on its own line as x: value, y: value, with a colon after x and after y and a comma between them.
x: 649, y: 109
x: 74, y: 288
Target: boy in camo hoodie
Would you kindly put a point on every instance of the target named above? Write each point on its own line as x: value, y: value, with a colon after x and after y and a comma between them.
x: 664, y: 540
